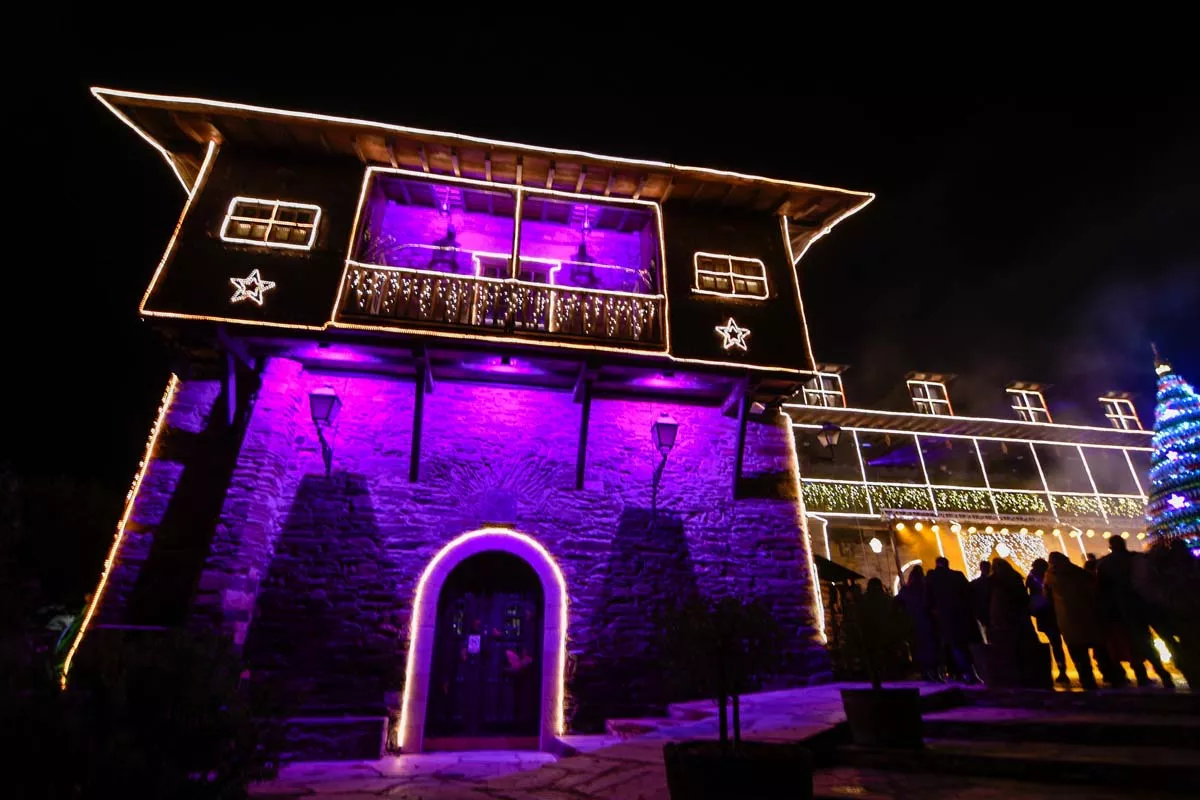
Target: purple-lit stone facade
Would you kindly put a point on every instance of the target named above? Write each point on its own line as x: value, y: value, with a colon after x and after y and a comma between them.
x: 316, y: 575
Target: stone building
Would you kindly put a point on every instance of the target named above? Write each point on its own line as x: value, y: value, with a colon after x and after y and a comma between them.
x: 455, y: 420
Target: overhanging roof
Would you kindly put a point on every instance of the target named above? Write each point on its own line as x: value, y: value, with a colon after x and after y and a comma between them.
x: 180, y: 128
x: 910, y: 422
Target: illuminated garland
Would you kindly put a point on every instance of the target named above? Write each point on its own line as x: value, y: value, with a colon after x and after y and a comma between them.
x: 1074, y: 505
x: 1022, y: 549
x: 1127, y: 507
x: 130, y: 498
x: 1021, y: 503
x: 972, y: 500
x: 910, y: 497
x: 430, y: 297
x: 837, y: 497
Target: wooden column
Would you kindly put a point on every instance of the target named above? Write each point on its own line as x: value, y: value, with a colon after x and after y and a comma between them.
x: 414, y: 462
x: 585, y: 415
x: 739, y: 456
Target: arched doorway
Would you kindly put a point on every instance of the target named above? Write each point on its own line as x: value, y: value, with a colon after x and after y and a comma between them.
x: 424, y: 623
x: 485, y: 675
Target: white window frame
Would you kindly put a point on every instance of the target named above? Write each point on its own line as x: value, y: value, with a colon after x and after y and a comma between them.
x: 270, y: 222
x: 1026, y: 409
x: 827, y: 391
x: 1120, y: 412
x: 760, y: 278
x: 934, y: 405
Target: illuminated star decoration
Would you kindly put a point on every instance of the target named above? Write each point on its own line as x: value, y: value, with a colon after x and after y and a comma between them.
x: 1177, y: 501
x: 733, y: 335
x: 1172, y: 455
x: 252, y: 288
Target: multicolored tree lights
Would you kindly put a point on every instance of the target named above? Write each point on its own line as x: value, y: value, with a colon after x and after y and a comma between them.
x: 1174, y: 506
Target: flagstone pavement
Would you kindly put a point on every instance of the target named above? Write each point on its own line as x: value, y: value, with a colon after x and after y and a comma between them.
x: 605, y: 766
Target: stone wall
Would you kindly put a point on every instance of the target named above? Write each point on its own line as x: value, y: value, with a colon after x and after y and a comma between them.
x: 316, y: 574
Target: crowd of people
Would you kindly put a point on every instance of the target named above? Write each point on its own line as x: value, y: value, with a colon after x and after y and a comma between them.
x: 1106, y: 611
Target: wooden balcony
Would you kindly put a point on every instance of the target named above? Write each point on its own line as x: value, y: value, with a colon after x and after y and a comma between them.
x: 401, y: 296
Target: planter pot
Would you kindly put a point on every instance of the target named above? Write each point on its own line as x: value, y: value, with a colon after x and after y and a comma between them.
x: 703, y: 770
x: 884, y: 717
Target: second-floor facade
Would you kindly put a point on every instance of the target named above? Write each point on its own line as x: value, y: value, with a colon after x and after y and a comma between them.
x: 309, y: 222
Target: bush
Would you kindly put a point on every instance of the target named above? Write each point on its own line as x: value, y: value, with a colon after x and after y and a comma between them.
x: 167, y: 715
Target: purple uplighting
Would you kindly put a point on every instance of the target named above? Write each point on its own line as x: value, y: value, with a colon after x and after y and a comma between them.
x: 504, y: 365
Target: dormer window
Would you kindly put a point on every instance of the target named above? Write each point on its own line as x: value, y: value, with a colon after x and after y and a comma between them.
x: 271, y: 223
x: 729, y: 276
x: 825, y: 389
x: 930, y: 397
x: 1121, y: 413
x: 1029, y: 403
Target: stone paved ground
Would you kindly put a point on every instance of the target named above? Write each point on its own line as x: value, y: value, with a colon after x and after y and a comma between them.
x: 605, y: 768
x: 852, y: 783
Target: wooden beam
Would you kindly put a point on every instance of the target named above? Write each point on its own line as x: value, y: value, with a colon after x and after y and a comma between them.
x: 582, y: 177
x: 667, y: 191
x: 414, y: 455
x: 738, y: 390
x: 585, y: 414
x: 739, y: 455
x: 612, y: 176
x: 237, y: 348
x: 424, y: 158
x: 391, y: 151
x: 641, y: 187
x: 231, y: 403
x: 454, y: 162
x: 550, y: 176
x: 587, y: 373
x: 520, y: 170
x: 487, y: 166
x: 357, y: 149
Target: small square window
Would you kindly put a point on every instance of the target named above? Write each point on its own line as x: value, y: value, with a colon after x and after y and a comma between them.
x: 271, y: 223
x: 824, y: 390
x: 730, y: 276
x: 930, y: 397
x: 1030, y: 405
x: 1121, y: 413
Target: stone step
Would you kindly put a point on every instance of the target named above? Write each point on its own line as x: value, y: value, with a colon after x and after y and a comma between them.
x: 1109, y: 701
x: 1075, y: 727
x: 629, y: 728
x: 1039, y: 762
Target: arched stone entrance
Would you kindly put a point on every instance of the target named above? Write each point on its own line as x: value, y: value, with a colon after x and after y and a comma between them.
x: 423, y: 631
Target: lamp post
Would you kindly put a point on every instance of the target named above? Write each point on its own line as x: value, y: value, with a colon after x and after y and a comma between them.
x: 324, y: 405
x: 828, y: 437
x: 662, y: 433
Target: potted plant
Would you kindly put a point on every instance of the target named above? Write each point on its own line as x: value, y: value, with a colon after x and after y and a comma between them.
x: 721, y: 650
x: 879, y: 717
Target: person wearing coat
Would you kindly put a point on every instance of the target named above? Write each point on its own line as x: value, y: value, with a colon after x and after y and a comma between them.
x: 952, y: 607
x: 1072, y: 590
x: 1124, y: 614
x: 1042, y: 610
x: 921, y: 635
x: 1011, y: 625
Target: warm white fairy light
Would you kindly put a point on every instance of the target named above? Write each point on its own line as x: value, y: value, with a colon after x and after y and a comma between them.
x: 252, y: 288
x: 269, y: 223
x: 130, y: 498
x: 802, y: 518
x: 733, y: 335
x: 756, y: 283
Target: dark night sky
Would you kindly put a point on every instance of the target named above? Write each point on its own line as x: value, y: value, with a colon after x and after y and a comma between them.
x: 1044, y: 239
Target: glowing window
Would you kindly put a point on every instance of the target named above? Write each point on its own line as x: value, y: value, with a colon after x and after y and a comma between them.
x: 271, y: 223
x: 729, y: 276
x: 1121, y: 413
x: 930, y: 397
x: 1030, y: 405
x: 825, y: 390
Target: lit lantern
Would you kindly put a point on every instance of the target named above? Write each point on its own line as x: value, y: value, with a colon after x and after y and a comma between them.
x: 324, y: 404
x: 876, y: 545
x: 663, y: 433
x: 1003, y: 550
x: 828, y: 435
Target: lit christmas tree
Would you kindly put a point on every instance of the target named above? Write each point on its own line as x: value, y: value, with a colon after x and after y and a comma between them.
x: 1174, y: 506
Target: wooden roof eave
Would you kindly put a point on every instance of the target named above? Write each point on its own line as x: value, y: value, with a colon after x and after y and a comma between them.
x: 181, y: 127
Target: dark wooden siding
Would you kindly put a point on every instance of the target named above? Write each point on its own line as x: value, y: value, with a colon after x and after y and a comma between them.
x: 196, y: 280
x: 777, y: 333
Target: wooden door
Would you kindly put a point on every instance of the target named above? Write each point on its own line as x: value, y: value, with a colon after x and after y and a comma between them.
x: 487, y: 667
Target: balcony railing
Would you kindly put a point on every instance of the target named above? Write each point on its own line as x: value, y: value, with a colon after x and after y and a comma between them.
x: 386, y: 295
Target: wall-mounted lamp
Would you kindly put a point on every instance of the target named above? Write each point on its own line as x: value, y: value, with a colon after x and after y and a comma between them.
x: 324, y: 405
x: 662, y: 433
